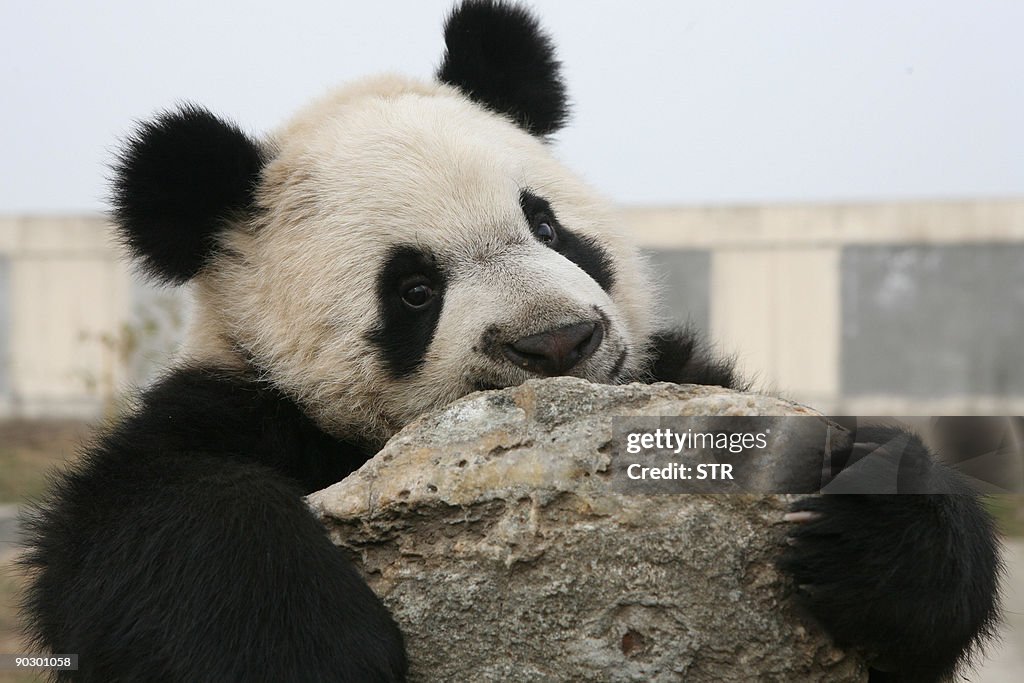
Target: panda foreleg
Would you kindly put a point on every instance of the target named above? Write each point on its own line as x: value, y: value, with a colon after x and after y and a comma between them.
x: 912, y: 578
x: 190, y: 567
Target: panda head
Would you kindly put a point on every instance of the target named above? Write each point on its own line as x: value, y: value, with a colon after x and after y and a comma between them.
x: 398, y: 244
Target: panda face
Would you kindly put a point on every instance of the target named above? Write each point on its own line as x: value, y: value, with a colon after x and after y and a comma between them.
x: 398, y: 244
x: 410, y: 247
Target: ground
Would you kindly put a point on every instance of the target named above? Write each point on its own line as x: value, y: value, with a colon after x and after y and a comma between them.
x: 30, y: 449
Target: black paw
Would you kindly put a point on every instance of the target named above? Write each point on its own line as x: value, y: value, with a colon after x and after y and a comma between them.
x: 910, y: 579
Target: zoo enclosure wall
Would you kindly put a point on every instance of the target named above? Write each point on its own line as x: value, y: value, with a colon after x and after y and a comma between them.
x: 904, y: 308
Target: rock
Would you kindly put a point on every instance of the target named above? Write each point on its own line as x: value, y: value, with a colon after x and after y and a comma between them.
x: 506, y: 549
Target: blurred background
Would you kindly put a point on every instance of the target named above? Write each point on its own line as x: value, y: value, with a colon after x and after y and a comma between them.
x: 834, y: 190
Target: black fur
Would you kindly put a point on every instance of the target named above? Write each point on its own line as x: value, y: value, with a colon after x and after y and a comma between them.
x: 910, y: 579
x: 498, y: 55
x: 680, y: 355
x: 403, y: 335
x: 176, y: 180
x: 583, y: 251
x: 179, y: 548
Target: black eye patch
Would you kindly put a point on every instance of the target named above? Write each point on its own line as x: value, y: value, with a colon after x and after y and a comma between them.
x: 583, y: 251
x: 410, y: 293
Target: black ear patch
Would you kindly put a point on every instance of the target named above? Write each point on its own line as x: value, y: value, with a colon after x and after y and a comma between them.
x: 176, y: 179
x: 498, y: 55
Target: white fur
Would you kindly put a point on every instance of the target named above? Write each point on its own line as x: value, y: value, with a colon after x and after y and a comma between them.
x: 395, y: 162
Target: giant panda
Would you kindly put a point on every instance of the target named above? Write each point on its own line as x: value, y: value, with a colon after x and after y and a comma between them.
x: 395, y: 246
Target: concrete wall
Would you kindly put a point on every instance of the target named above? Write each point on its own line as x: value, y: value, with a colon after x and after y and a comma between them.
x: 885, y: 309
x: 872, y: 309
x: 69, y: 325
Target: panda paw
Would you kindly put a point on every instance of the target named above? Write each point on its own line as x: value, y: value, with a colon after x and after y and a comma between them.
x: 898, y: 576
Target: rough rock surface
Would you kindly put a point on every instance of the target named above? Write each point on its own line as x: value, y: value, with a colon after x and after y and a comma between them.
x: 492, y: 531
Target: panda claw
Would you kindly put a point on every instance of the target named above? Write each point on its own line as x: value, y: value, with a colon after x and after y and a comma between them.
x: 801, y: 516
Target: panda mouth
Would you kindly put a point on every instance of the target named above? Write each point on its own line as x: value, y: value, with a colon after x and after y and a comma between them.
x: 484, y: 383
x: 620, y: 362
x: 480, y: 385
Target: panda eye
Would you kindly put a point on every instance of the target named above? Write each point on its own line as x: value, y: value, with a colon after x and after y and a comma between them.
x: 545, y: 232
x: 417, y: 293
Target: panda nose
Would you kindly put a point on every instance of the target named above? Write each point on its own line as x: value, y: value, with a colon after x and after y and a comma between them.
x: 555, y: 352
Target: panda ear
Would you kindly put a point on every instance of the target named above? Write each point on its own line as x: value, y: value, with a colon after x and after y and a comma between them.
x: 175, y: 181
x: 498, y: 56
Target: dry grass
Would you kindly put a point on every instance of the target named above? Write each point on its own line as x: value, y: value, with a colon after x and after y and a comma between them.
x: 10, y: 640
x: 1008, y: 510
x: 29, y: 449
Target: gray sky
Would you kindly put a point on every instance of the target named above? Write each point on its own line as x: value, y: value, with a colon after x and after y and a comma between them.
x: 682, y: 102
